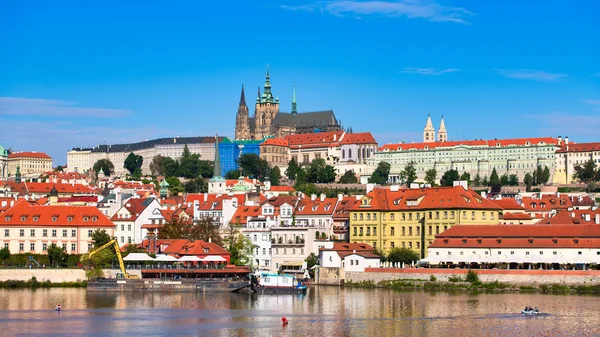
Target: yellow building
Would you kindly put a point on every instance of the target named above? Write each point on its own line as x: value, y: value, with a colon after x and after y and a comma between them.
x: 388, y: 218
x: 30, y: 163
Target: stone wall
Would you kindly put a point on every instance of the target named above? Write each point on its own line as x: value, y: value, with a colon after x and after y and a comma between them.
x: 517, y: 277
x: 329, y: 276
x: 52, y: 275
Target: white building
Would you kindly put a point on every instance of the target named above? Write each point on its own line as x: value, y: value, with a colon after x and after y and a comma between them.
x: 31, y: 228
x: 130, y: 218
x: 3, y: 163
x: 349, y: 257
x: 571, y: 155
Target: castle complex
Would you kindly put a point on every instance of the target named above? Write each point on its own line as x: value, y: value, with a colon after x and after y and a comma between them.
x: 269, y: 121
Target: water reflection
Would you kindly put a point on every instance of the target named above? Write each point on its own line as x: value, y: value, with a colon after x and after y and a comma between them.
x: 323, y: 311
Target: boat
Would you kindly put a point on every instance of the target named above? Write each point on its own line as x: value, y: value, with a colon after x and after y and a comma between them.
x: 271, y: 283
x: 530, y: 312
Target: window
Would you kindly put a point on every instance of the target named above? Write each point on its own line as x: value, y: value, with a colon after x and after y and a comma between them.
x: 368, y: 231
x: 69, y: 218
x: 430, y: 230
x: 361, y: 231
x: 554, y: 253
x: 73, y: 232
x: 94, y: 218
x: 64, y: 233
x: 392, y: 244
x: 32, y: 246
x: 410, y: 244
x: 122, y: 239
x: 6, y: 232
x: 129, y: 239
x: 437, y: 215
x: 418, y: 230
x: 32, y: 232
x: 129, y: 228
x: 392, y: 232
x: 21, y: 233
x: 579, y: 253
x: 54, y: 218
x: 464, y: 214
x: 90, y: 233
x: 21, y: 246
x: 354, y: 231
x: 73, y: 246
x: 410, y: 231
x: 85, y: 219
x: 6, y: 245
x: 44, y: 247
x: 122, y: 227
x: 64, y: 247
x: 45, y: 233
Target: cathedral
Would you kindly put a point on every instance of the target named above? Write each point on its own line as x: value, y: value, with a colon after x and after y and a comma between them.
x: 429, y: 132
x: 269, y: 121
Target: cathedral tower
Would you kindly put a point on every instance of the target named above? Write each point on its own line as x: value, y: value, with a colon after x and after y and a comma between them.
x: 242, y: 122
x: 442, y: 133
x: 267, y: 108
x: 429, y: 131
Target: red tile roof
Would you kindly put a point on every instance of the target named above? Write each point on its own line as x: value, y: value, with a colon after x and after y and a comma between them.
x: 320, y: 139
x: 135, y: 207
x: 471, y: 143
x: 507, y: 204
x: 26, y: 188
x: 282, y: 189
x: 581, y: 147
x: 516, y: 216
x: 38, y: 155
x: 316, y: 207
x: 546, y: 203
x: 519, y: 236
x: 28, y: 214
x: 199, y: 248
x: 358, y: 138
x: 243, y: 212
x: 275, y: 142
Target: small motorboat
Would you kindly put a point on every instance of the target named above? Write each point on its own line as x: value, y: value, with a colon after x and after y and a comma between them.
x: 58, y: 308
x: 530, y: 312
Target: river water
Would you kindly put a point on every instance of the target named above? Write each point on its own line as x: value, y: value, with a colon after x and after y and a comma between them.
x: 323, y: 311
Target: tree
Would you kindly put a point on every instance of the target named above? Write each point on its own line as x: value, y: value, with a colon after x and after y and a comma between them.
x: 402, y: 255
x: 381, y: 174
x: 202, y: 229
x: 484, y: 181
x: 348, y: 178
x: 477, y: 180
x: 133, y: 164
x: 189, y: 164
x: 104, y: 165
x: 275, y: 176
x: 164, y: 166
x: 431, y: 176
x: 131, y: 248
x: 528, y: 180
x: 311, y: 261
x: 292, y: 169
x: 57, y: 255
x: 239, y: 246
x: 409, y: 174
x: 449, y: 177
x: 100, y: 237
x: 545, y: 175
x: 233, y: 174
x: 253, y: 166
x: 585, y: 173
x: 175, y: 186
x: 504, y: 179
x: 466, y: 176
x: 4, y: 254
x: 494, y: 179
x: 59, y: 168
x: 197, y: 185
x: 513, y: 180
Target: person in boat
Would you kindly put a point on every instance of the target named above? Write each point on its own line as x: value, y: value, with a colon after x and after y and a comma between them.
x: 58, y: 308
x: 536, y: 309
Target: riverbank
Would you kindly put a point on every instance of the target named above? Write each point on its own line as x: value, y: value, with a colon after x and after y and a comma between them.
x: 33, y: 283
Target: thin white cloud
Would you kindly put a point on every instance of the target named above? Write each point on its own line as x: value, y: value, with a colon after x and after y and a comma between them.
x: 412, y: 9
x: 428, y: 71
x: 562, y: 123
x: 591, y: 101
x: 18, y: 106
x: 533, y: 75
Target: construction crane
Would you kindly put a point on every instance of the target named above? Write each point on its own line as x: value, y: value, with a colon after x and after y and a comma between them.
x: 115, y: 244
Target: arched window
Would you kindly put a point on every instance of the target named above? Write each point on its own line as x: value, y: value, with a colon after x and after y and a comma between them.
x: 363, y: 153
x: 350, y: 153
x: 343, y: 154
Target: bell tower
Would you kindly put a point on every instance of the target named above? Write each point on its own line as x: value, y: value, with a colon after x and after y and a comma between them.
x: 442, y: 133
x: 429, y: 131
x: 267, y: 108
x: 242, y: 123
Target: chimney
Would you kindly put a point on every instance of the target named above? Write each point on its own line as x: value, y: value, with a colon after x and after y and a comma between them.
x: 209, y: 240
x: 334, y: 137
x: 572, y: 214
x: 313, y: 197
x: 340, y: 197
x: 558, y: 194
x: 395, y: 188
x: 567, y: 142
x: 322, y: 197
x: 597, y: 219
x: 559, y: 140
x: 587, y: 217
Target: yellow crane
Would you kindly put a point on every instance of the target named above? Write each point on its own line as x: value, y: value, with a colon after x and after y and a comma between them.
x: 115, y: 244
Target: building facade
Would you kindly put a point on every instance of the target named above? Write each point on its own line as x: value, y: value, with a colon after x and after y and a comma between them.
x: 476, y: 157
x: 3, y: 163
x: 31, y: 228
x: 276, y: 152
x: 269, y: 121
x: 230, y: 151
x: 410, y: 218
x: 568, y: 156
x: 30, y: 163
x: 83, y: 159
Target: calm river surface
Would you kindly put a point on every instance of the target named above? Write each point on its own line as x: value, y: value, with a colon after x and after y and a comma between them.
x: 324, y: 311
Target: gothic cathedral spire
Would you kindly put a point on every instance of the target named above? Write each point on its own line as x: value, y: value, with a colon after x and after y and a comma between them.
x: 428, y: 131
x: 242, y: 119
x: 442, y: 133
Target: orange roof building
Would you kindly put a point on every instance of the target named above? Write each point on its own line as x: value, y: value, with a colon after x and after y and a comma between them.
x: 29, y: 163
x: 570, y: 155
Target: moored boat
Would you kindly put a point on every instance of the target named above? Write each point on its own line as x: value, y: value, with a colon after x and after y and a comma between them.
x: 271, y: 283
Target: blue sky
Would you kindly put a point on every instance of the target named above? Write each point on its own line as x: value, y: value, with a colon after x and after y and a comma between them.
x: 81, y: 73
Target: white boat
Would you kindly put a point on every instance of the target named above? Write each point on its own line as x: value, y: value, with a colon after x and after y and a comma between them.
x: 278, y: 283
x: 530, y: 312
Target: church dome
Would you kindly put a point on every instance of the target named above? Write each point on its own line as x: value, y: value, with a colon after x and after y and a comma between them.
x: 54, y: 192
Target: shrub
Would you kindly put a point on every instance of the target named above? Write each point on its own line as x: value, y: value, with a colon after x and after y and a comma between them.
x: 455, y: 278
x: 472, y: 276
x: 432, y: 278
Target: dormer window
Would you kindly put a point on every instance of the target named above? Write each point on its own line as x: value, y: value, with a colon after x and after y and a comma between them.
x: 7, y: 218
x: 206, y: 250
x: 36, y: 218
x: 85, y: 219
x: 54, y: 218
x: 94, y: 218
x: 70, y: 218
x: 23, y: 217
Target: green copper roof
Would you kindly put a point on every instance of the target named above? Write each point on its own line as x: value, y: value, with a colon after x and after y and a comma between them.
x: 164, y: 183
x: 3, y: 152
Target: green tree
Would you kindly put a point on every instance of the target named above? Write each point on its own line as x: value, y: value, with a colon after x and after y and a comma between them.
x: 131, y: 248
x: 431, y: 176
x: 477, y: 180
x: 311, y: 261
x: 189, y: 164
x: 239, y: 246
x: 133, y: 164
x: 57, y: 255
x: 402, y: 255
x: 233, y: 174
x: 381, y: 174
x: 292, y: 169
x: 409, y: 174
x: 528, y: 180
x: 494, y: 179
x: 449, y: 177
x: 585, y: 173
x: 538, y: 176
x: 4, y: 254
x: 100, y: 237
x: 157, y: 167
x: 504, y: 180
x: 348, y: 178
x: 545, y: 175
x: 104, y: 165
x: 484, y: 181
x: 513, y: 180
x: 175, y: 186
x: 275, y: 176
x: 197, y: 185
x: 467, y: 177
x: 59, y: 168
x: 253, y: 166
x: 202, y: 229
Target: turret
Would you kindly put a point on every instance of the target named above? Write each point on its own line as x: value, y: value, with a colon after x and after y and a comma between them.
x: 442, y: 133
x: 428, y: 131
